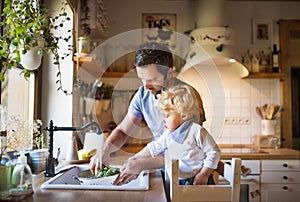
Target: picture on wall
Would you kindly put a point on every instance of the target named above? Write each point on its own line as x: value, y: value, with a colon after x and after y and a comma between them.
x: 161, y: 28
x: 262, y: 31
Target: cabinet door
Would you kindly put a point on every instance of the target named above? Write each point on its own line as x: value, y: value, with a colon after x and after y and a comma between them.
x: 280, y: 192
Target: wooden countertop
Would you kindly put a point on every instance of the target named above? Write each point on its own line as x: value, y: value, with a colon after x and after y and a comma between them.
x: 155, y: 192
x: 270, y: 154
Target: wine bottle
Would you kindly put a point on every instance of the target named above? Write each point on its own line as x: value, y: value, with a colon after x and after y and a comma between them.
x: 275, y: 59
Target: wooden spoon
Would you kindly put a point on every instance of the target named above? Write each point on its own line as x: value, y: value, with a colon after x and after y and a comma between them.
x: 258, y: 111
x: 270, y: 111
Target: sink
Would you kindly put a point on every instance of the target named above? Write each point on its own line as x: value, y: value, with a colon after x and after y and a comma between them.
x: 66, y: 181
x: 242, y: 151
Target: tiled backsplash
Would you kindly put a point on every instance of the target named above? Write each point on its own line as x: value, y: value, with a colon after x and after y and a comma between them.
x: 238, y: 122
x: 230, y: 108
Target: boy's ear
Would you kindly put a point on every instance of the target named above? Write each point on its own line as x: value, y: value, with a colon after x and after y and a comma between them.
x: 184, y: 117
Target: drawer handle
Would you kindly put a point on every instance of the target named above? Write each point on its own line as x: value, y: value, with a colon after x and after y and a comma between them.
x: 285, y: 177
x: 285, y: 187
x: 285, y: 165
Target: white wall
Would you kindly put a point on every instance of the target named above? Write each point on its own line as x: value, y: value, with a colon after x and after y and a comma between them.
x: 57, y: 106
x: 241, y: 95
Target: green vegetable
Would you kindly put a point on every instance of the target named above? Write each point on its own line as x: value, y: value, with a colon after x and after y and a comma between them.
x: 106, y: 171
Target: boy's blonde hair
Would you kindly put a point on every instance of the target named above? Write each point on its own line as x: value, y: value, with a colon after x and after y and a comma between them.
x: 180, y: 99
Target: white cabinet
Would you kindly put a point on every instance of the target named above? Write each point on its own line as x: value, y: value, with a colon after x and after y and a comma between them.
x: 280, y: 180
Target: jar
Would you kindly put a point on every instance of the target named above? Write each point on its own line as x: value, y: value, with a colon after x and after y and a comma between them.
x: 83, y: 45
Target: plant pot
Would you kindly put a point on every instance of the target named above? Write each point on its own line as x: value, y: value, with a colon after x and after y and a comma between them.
x: 38, y: 160
x: 33, y: 58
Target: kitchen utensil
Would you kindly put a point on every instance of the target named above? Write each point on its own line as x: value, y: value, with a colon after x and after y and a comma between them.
x: 263, y: 112
x: 270, y: 111
x: 276, y: 110
x: 258, y: 111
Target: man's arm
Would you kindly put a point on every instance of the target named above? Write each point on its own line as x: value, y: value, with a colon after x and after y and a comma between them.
x: 133, y: 166
x: 115, y: 141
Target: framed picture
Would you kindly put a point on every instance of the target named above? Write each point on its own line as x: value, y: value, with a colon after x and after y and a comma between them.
x: 262, y: 31
x: 161, y: 28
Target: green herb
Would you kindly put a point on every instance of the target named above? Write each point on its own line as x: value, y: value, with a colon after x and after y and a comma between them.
x: 105, y: 172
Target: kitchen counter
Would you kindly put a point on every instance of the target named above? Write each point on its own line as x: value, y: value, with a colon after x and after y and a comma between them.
x: 155, y: 192
x: 275, y: 154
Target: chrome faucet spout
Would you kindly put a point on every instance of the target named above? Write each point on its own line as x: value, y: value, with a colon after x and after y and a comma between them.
x: 98, y: 129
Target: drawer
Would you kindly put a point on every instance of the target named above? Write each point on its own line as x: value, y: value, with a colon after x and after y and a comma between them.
x: 280, y: 177
x: 253, y: 165
x: 280, y: 165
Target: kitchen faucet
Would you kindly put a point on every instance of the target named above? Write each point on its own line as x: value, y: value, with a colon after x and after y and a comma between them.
x: 50, y: 171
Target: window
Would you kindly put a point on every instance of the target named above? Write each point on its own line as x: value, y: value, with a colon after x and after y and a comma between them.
x: 18, y: 94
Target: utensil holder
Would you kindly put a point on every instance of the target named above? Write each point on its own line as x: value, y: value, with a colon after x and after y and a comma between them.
x: 268, y: 127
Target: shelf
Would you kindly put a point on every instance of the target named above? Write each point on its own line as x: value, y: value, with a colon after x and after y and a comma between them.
x: 91, y: 66
x: 82, y: 59
x: 119, y: 74
x: 259, y: 75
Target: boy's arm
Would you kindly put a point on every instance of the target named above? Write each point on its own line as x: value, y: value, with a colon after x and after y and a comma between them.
x: 201, y: 178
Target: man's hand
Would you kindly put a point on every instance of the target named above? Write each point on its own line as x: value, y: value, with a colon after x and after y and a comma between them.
x: 97, y: 161
x: 129, y: 171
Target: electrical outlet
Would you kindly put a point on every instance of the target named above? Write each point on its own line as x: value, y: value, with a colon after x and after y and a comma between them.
x: 233, y: 121
x: 227, y: 121
x: 247, y: 121
x: 241, y: 121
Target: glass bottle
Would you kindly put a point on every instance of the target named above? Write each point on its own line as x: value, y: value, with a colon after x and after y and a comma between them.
x: 5, y: 170
x: 275, y: 59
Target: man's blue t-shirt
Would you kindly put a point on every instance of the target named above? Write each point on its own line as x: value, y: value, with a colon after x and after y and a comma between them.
x: 143, y: 104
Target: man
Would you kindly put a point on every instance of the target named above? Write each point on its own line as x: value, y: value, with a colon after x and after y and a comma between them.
x: 154, y: 66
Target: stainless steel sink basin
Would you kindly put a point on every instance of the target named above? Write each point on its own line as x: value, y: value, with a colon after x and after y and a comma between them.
x: 242, y: 151
x: 67, y: 180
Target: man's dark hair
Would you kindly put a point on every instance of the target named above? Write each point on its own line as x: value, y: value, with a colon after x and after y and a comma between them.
x: 154, y: 53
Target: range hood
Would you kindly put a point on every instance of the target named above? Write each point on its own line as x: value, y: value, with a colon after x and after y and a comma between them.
x: 212, y: 43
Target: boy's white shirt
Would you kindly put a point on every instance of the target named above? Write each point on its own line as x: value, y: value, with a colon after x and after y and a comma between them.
x: 197, y: 151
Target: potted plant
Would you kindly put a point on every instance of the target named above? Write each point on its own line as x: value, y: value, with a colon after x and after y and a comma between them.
x: 27, y: 28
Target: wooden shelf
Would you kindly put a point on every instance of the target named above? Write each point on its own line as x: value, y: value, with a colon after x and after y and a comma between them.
x: 259, y: 75
x: 94, y: 68
x: 119, y: 74
x: 82, y: 59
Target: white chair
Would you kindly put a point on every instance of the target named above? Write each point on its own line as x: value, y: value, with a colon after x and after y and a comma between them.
x: 229, y: 191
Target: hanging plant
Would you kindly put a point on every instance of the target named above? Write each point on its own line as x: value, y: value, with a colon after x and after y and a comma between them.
x: 26, y: 23
x: 85, y: 16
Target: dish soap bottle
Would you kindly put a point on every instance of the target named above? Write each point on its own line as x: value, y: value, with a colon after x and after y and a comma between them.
x: 21, y: 181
